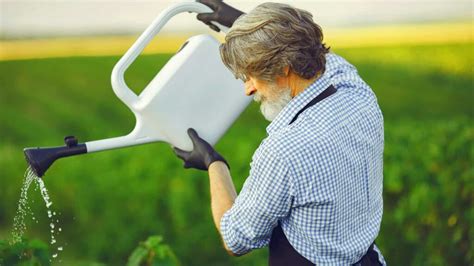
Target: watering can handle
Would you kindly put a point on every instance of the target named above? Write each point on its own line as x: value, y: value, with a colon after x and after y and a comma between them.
x: 118, y: 79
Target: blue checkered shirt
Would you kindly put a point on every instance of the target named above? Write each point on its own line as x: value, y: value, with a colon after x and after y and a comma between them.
x: 319, y: 177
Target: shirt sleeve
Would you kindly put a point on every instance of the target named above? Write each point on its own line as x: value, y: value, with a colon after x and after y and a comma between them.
x: 264, y: 199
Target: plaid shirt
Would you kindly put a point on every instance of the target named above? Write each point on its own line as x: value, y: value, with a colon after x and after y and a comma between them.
x: 320, y: 177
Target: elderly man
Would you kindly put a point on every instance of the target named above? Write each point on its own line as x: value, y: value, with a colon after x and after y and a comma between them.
x: 314, y: 192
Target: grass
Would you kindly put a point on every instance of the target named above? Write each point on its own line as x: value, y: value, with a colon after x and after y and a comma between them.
x: 112, y: 200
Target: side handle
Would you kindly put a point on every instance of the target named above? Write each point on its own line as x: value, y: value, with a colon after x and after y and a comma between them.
x: 118, y: 73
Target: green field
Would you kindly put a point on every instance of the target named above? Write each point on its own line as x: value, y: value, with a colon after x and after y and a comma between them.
x: 110, y: 201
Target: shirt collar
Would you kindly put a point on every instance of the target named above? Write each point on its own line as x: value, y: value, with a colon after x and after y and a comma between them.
x: 297, y: 103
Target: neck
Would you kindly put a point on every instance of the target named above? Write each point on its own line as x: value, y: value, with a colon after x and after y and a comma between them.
x: 298, y: 84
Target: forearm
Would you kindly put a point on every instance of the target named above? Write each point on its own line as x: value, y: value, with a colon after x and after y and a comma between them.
x: 223, y: 192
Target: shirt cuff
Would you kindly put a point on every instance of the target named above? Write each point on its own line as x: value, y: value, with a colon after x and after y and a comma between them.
x: 229, y: 236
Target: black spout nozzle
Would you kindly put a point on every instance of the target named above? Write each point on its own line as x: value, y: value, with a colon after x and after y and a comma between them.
x: 40, y: 159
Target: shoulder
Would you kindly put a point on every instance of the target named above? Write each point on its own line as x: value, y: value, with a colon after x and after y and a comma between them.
x: 271, y: 149
x: 336, y: 64
x: 271, y: 165
x: 292, y: 143
x: 345, y: 77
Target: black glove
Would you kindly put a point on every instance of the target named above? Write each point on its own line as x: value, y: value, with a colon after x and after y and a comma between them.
x: 223, y: 14
x: 202, y: 154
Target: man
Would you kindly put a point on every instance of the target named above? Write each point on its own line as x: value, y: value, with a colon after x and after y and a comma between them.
x: 314, y: 192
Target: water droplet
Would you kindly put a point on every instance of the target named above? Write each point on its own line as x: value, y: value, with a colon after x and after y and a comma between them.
x: 23, y: 209
x: 19, y: 226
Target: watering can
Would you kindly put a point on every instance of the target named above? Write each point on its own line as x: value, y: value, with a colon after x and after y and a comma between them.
x: 194, y: 89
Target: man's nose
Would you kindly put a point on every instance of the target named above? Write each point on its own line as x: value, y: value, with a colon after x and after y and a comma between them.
x: 249, y: 90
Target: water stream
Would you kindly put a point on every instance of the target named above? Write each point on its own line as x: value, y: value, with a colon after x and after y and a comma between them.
x: 19, y: 224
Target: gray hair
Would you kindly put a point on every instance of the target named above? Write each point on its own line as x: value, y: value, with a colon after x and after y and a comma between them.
x: 269, y: 38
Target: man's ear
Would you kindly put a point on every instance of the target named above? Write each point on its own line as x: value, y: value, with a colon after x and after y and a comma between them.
x: 282, y: 79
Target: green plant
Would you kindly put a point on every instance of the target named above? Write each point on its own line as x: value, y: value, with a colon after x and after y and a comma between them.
x: 24, y: 253
x: 428, y: 192
x: 153, y: 252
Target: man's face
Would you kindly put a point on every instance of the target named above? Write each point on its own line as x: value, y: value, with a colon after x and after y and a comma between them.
x: 272, y: 96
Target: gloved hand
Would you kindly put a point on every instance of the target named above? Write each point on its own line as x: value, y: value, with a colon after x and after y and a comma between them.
x: 202, y: 154
x: 223, y: 14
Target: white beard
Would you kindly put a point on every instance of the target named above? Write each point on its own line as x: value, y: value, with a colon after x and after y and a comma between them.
x: 270, y: 109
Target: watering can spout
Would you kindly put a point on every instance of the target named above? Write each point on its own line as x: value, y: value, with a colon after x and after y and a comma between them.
x: 40, y: 159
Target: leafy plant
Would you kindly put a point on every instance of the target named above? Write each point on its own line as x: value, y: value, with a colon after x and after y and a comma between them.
x: 24, y: 253
x: 428, y: 193
x: 153, y: 252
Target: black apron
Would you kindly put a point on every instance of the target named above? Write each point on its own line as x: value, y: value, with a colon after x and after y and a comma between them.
x: 281, y: 251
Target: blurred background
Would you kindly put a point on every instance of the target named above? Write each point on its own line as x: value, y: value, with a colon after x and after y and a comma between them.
x: 56, y: 58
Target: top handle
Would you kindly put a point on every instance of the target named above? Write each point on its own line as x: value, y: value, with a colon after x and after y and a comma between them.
x: 118, y: 80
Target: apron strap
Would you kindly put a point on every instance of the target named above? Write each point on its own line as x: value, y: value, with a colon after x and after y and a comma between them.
x: 323, y: 95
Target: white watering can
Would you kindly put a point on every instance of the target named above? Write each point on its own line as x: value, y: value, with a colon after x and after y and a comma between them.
x: 194, y: 89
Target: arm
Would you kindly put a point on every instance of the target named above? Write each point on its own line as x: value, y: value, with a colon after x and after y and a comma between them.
x: 245, y: 222
x: 223, y: 193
